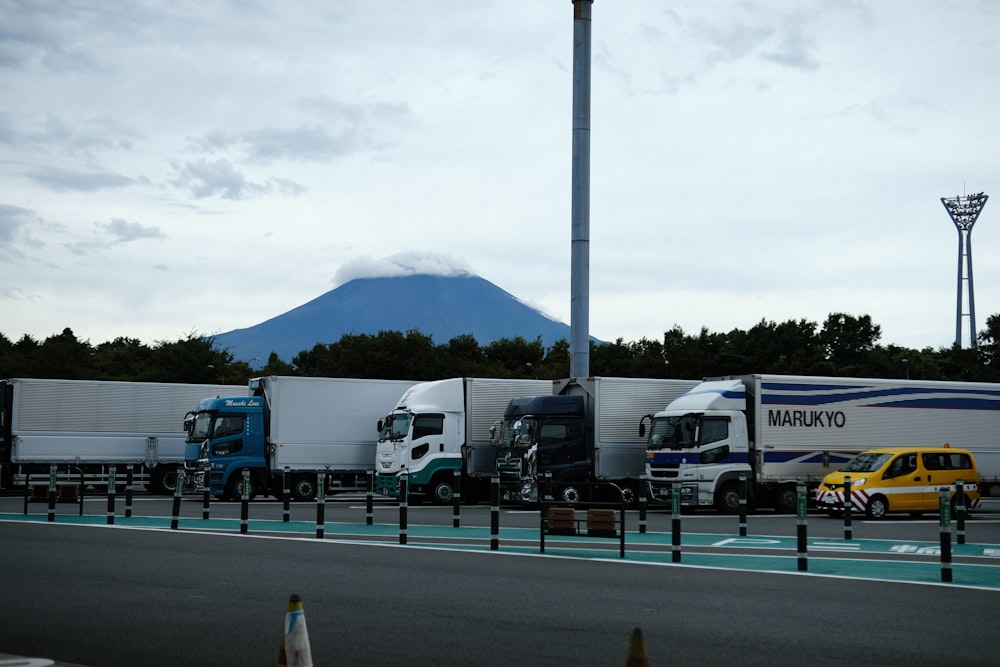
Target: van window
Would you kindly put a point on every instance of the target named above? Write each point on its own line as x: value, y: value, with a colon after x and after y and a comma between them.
x: 903, y: 464
x: 867, y: 462
x: 951, y: 461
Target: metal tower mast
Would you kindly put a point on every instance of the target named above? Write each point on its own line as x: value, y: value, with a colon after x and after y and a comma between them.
x: 579, y: 344
x: 964, y: 211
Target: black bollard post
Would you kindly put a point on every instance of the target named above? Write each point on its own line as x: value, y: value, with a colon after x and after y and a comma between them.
x: 848, y: 509
x: 52, y: 493
x: 320, y: 505
x: 743, y: 504
x: 456, y: 499
x: 675, y: 522
x: 370, y: 499
x: 643, y: 502
x: 206, y: 502
x: 245, y: 504
x: 175, y: 517
x: 404, y: 484
x: 800, y: 490
x: 960, y: 510
x: 128, y: 492
x: 286, y: 510
x: 494, y: 513
x: 944, y: 503
x: 111, y: 496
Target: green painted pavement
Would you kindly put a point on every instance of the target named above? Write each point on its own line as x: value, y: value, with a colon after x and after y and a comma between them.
x: 856, y: 559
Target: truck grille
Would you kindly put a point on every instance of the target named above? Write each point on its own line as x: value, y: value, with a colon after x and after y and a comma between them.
x: 663, y: 470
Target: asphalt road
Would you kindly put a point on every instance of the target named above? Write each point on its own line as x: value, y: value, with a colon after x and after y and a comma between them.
x: 104, y: 597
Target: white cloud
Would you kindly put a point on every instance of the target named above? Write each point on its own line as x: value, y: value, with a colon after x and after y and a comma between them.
x: 749, y: 161
x: 401, y: 264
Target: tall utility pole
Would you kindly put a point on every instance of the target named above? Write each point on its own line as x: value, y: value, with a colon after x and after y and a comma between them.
x: 579, y: 344
x: 964, y: 211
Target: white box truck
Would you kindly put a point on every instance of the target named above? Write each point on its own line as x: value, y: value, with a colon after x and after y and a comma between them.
x: 782, y: 430
x: 436, y: 425
x: 585, y: 434
x: 299, y: 426
x: 86, y: 426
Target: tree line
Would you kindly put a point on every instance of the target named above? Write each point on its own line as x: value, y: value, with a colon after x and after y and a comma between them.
x: 843, y: 346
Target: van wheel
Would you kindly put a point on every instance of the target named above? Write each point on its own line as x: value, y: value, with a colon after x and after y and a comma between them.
x: 877, y: 508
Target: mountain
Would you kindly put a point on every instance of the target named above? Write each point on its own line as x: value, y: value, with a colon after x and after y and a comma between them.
x: 439, y: 306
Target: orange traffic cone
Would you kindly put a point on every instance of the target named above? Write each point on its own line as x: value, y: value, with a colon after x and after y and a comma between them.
x: 637, y: 655
x: 295, y: 650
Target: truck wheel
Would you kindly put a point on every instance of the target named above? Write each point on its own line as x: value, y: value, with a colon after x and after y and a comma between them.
x: 303, y: 488
x: 630, y: 497
x: 163, y: 480
x: 235, y: 487
x: 568, y: 494
x: 727, y: 499
x: 440, y: 491
x: 786, y: 500
x: 877, y: 508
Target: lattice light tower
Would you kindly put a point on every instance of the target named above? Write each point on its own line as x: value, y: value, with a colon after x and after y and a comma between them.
x: 964, y: 211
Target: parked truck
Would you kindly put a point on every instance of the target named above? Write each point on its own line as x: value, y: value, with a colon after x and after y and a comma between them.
x: 584, y: 434
x: 295, y: 426
x: 86, y: 426
x: 440, y: 427
x: 781, y: 430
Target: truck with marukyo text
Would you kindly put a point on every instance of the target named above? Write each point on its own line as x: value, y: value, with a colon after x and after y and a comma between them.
x: 583, y: 437
x: 290, y: 430
x: 442, y: 427
x: 780, y: 431
x: 84, y: 427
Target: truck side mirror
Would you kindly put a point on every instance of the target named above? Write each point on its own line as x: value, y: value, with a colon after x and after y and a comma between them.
x: 378, y: 426
x: 642, y: 429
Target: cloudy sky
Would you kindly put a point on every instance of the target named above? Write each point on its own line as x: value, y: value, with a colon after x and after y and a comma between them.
x: 169, y: 168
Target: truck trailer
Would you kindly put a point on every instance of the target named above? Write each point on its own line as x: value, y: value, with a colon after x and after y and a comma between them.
x: 584, y: 434
x: 782, y: 430
x: 86, y: 426
x: 440, y: 427
x: 298, y: 427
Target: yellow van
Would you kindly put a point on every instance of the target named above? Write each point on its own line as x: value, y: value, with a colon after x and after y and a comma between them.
x: 901, y: 479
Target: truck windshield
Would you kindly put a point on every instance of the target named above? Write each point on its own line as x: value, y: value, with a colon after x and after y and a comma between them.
x: 517, y: 432
x: 396, y: 427
x: 868, y: 462
x: 675, y: 432
x: 199, y: 427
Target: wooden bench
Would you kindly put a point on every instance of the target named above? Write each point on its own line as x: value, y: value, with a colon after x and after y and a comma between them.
x: 558, y: 520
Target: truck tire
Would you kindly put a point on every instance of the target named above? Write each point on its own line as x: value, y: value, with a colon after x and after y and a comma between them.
x: 163, y: 480
x: 629, y: 496
x: 568, y: 493
x: 786, y: 499
x: 727, y: 498
x: 303, y: 488
x: 440, y: 490
x: 234, y: 490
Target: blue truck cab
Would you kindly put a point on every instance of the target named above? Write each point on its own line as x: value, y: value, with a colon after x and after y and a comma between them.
x: 224, y: 437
